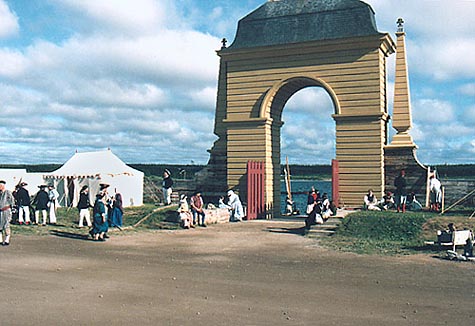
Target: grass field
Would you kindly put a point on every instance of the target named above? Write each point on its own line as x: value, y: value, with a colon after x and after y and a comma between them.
x: 68, y: 221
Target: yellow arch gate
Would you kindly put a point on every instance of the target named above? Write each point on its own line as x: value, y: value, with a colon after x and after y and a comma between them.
x: 281, y: 48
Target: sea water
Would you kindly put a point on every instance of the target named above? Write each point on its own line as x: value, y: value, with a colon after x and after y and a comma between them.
x: 300, y: 189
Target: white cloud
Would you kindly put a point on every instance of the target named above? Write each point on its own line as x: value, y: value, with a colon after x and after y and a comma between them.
x: 432, y: 111
x: 467, y: 89
x: 8, y: 21
x: 12, y: 63
x: 123, y: 16
x: 453, y: 62
x: 311, y: 100
x: 140, y: 77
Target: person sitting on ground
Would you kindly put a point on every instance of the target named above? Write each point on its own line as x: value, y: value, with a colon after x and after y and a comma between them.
x: 289, y: 206
x: 237, y: 212
x: 388, y: 201
x: 184, y: 213
x: 326, y: 207
x: 371, y: 202
x: 311, y: 200
x: 315, y: 216
x: 222, y: 204
x: 468, y: 248
x: 197, y: 207
x: 412, y: 203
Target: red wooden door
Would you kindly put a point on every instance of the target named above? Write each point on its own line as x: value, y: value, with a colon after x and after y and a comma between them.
x: 255, y: 190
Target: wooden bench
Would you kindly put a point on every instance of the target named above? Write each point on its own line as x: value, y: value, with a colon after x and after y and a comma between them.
x: 456, y: 238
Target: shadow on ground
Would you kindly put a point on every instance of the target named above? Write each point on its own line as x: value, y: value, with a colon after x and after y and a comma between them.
x: 69, y: 235
x: 298, y: 231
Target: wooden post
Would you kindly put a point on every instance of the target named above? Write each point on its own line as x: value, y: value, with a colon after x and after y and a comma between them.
x: 428, y: 188
x: 335, y: 183
x: 443, y: 199
x: 287, y: 178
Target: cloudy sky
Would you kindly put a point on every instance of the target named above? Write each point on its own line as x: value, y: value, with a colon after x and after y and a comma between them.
x: 140, y: 77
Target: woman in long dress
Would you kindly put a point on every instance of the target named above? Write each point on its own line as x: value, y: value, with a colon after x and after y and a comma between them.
x: 100, y: 225
x: 117, y: 211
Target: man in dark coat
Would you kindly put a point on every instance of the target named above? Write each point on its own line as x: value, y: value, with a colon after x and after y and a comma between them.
x: 83, y: 206
x: 400, y: 194
x: 24, y: 202
x: 167, y: 184
x: 40, y: 202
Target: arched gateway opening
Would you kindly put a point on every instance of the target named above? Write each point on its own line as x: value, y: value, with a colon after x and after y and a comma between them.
x: 279, y: 49
x: 307, y: 138
x: 272, y: 108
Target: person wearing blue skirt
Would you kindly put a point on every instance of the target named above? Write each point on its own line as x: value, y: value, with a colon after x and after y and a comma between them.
x: 100, y: 225
x: 117, y: 212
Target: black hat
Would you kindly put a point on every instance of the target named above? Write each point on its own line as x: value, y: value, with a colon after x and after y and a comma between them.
x: 103, y: 186
x: 3, y: 182
x: 84, y: 188
x: 42, y: 186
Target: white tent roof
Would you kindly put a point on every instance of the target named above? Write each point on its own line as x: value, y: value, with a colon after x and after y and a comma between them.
x: 94, y: 164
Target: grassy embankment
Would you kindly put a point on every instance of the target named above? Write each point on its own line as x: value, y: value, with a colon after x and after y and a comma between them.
x: 390, y: 233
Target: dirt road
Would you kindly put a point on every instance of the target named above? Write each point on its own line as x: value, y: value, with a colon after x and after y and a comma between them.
x: 250, y: 273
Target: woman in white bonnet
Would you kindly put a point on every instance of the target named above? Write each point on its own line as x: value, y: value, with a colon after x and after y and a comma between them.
x: 184, y: 213
x: 237, y: 212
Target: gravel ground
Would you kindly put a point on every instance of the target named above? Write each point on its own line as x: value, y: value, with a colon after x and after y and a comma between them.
x: 250, y: 273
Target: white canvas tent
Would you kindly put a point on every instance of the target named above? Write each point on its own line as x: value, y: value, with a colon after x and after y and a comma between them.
x: 14, y: 176
x: 92, y: 169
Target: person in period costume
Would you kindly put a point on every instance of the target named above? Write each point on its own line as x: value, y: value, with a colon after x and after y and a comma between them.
x: 400, y: 195
x: 53, y: 203
x: 388, y: 201
x: 197, y: 207
x: 40, y: 202
x: 184, y: 213
x: 370, y: 201
x: 117, y: 212
x: 23, y: 202
x: 435, y: 188
x: 100, y: 225
x: 6, y: 203
x: 412, y: 203
x: 327, y: 209
x: 83, y: 206
x: 237, y: 212
x: 167, y: 184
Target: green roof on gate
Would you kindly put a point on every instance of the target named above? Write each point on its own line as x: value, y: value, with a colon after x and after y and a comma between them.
x: 280, y: 22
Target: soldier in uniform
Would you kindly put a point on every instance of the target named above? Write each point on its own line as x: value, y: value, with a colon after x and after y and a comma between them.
x: 6, y: 203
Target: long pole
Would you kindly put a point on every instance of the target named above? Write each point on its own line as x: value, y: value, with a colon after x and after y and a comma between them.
x: 458, y: 201
x: 287, y: 178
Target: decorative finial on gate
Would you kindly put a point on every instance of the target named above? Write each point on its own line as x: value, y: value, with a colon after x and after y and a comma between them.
x: 224, y: 41
x: 400, y: 25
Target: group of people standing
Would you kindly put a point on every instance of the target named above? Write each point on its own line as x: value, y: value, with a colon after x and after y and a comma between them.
x: 107, y: 212
x: 44, y: 202
x: 19, y: 202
